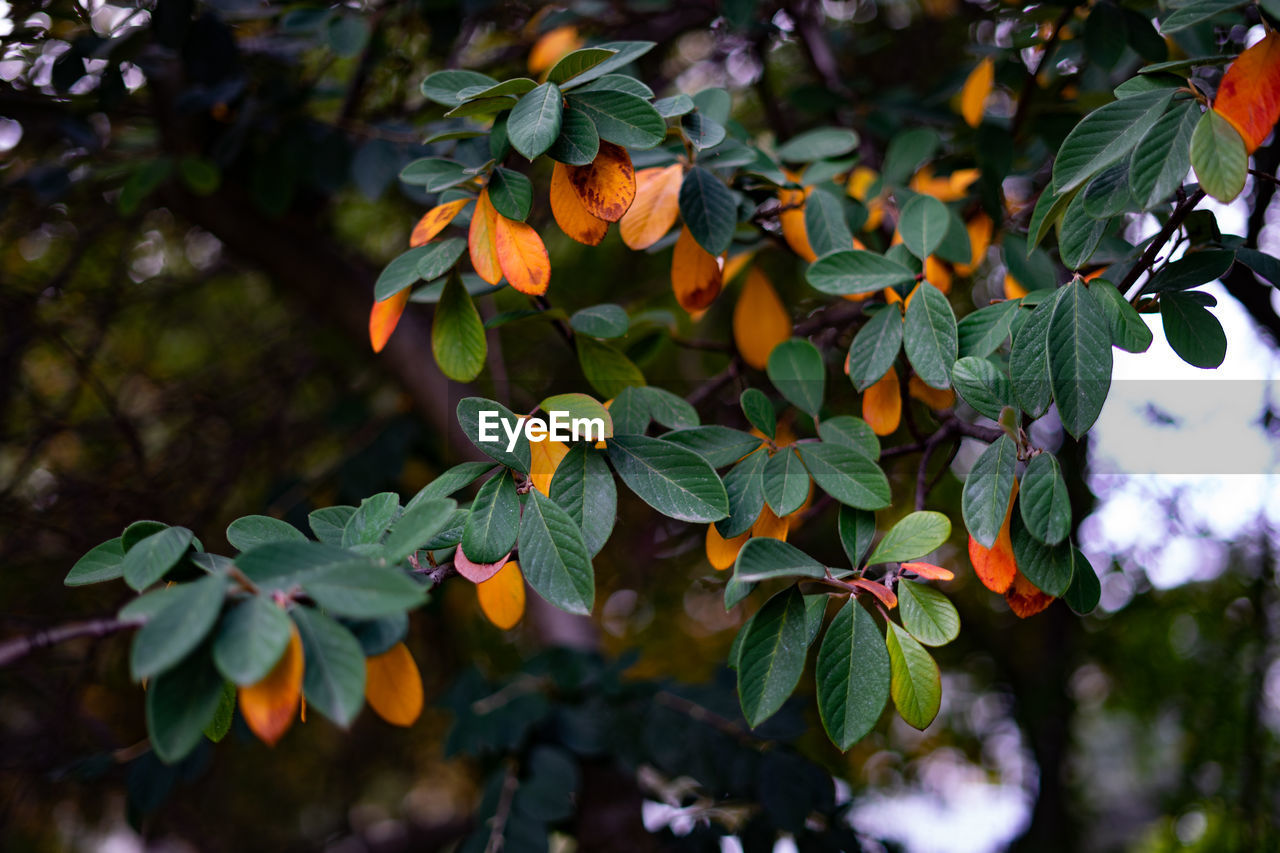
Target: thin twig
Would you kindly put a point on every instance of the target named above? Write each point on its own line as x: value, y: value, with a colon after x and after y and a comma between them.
x: 1179, y: 215
x: 19, y: 647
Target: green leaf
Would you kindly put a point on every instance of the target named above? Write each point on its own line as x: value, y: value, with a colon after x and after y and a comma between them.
x: 457, y: 333
x: 927, y: 614
x: 719, y: 445
x: 443, y: 86
x: 1266, y: 266
x: 852, y: 675
x: 1048, y: 212
x: 668, y: 409
x: 674, y: 106
x: 578, y: 142
x: 857, y: 527
x: 1079, y: 234
x: 254, y: 530
x: 795, y: 368
x: 601, y: 321
x: 180, y: 704
x: 621, y: 118
x: 328, y: 523
x: 1108, y: 194
x: 511, y: 193
x: 434, y: 174
x: 1218, y: 157
x: 417, y: 525
x: 103, y: 562
x: 851, y: 432
x: 847, y: 475
x: 619, y: 83
x: 745, y: 486
x: 906, y: 152
x: 875, y: 347
x: 625, y: 52
x: 916, y: 535
x: 929, y: 336
x: 1029, y: 359
x: 137, y: 531
x: 1190, y: 14
x: 630, y: 412
x: 709, y: 210
x: 1191, y: 270
x: 982, y: 385
x: 759, y: 411
x: 1043, y: 500
x: 786, y: 482
x: 1193, y: 332
x: 447, y: 483
x: 494, y: 521
x: 1128, y: 330
x: 333, y: 671
x: 702, y: 132
x: 607, y: 370
x: 553, y: 555
x: 825, y: 223
x: 1162, y: 158
x: 1079, y: 358
x: 516, y: 86
x: 534, y: 123
x: 915, y: 682
x: 987, y: 489
x: 985, y: 330
x: 251, y: 639
x: 178, y: 627
x: 153, y: 557
x: 955, y: 245
x: 772, y: 655
x: 1048, y: 567
x: 1085, y: 590
x: 1106, y: 135
x: 818, y: 144
x: 672, y: 479
x: 1104, y: 35
x: 583, y: 486
x: 371, y: 519
x: 575, y: 407
x: 923, y: 223
x: 856, y: 271
x: 494, y: 442
x: 573, y: 64
x: 220, y: 724
x: 402, y: 272
x: 280, y: 565
x: 362, y: 590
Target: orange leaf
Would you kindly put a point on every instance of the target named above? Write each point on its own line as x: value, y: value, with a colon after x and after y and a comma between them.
x: 1012, y: 289
x: 1024, y: 599
x: 268, y: 706
x: 571, y: 214
x: 767, y: 525
x: 792, y: 222
x: 721, y: 552
x: 882, y: 593
x: 481, y: 241
x: 656, y: 205
x: 384, y: 317
x: 951, y: 188
x: 977, y: 86
x: 607, y: 186
x: 546, y: 455
x: 477, y: 572
x: 760, y: 321
x: 995, y: 566
x: 393, y: 686
x: 882, y: 404
x: 1249, y: 95
x: 937, y: 273
x: 737, y: 264
x: 522, y: 256
x: 980, y: 229
x: 502, y: 596
x: 551, y: 48
x: 928, y: 571
x: 695, y: 274
x: 435, y: 221
x: 935, y: 398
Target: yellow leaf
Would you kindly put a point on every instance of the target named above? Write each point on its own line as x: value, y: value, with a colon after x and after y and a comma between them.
x: 481, y: 241
x: 792, y: 222
x: 552, y: 47
x: 882, y: 404
x: 736, y: 264
x: 977, y: 86
x: 935, y: 398
x: 760, y: 321
x: 860, y: 182
x: 522, y: 256
x: 435, y: 221
x: 951, y: 188
x: 980, y: 229
x: 393, y: 686
x: 894, y: 298
x: 502, y: 596
x: 607, y: 186
x: 384, y: 317
x: 695, y: 274
x: 546, y: 455
x: 769, y: 526
x: 721, y: 552
x: 268, y: 706
x: 937, y: 273
x: 1012, y: 289
x: 656, y: 205
x: 570, y: 213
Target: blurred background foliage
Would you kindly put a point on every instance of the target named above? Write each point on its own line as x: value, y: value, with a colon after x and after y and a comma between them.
x: 197, y: 197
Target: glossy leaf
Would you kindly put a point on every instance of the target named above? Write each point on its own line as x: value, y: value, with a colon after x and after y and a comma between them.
x: 393, y: 686
x: 1192, y: 331
x: 982, y: 385
x: 502, y: 597
x: 656, y: 206
x: 917, y: 534
x: 1106, y: 135
x: 874, y: 348
x: 1218, y: 157
x: 852, y: 675
x: 927, y: 614
x: 915, y: 682
x: 856, y: 271
x: 847, y: 475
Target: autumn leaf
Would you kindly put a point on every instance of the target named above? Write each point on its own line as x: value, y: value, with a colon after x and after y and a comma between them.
x: 935, y: 398
x: 546, y: 455
x: 792, y: 221
x: 268, y: 707
x: 977, y: 86
x: 551, y: 47
x: 953, y: 187
x: 721, y: 552
x: 881, y: 592
x: 980, y: 229
x: 995, y: 566
x: 607, y: 186
x: 937, y: 273
x: 435, y: 220
x: 481, y: 240
x: 477, y: 572
x: 522, y: 256
x: 882, y: 404
x: 736, y: 264
x: 384, y: 317
x: 393, y: 686
x: 760, y: 321
x: 695, y: 274
x: 928, y: 571
x: 1023, y: 597
x: 502, y: 596
x: 656, y: 206
x: 1249, y: 95
x: 570, y: 213
x: 1012, y: 288
x: 770, y: 526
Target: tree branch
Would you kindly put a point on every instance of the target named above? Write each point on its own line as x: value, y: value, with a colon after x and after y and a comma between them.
x: 1179, y: 215
x: 17, y: 648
